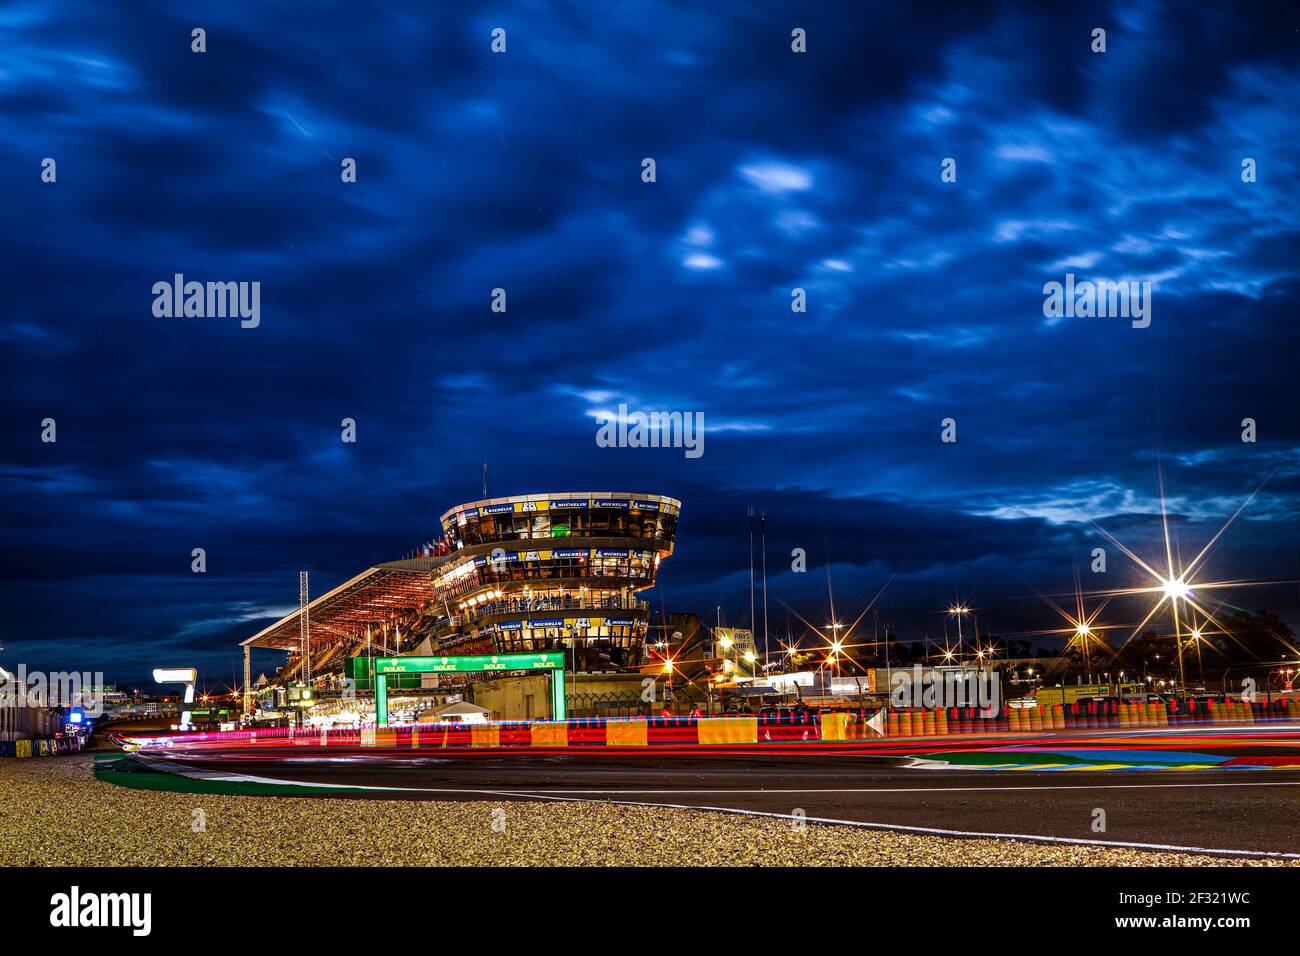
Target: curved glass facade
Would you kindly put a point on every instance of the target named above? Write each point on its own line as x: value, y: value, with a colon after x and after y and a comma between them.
x: 552, y: 572
x: 640, y: 517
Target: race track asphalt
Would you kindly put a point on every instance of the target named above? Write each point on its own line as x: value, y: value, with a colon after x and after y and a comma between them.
x: 1227, y: 811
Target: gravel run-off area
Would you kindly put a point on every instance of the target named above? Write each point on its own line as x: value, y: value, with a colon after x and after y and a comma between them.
x: 53, y: 812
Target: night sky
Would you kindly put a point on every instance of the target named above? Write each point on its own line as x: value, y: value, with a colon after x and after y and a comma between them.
x: 522, y: 170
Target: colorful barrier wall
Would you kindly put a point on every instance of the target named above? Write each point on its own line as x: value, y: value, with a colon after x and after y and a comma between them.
x: 740, y: 730
x: 39, y: 747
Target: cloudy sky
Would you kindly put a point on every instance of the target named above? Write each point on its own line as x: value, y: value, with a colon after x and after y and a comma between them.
x: 522, y: 170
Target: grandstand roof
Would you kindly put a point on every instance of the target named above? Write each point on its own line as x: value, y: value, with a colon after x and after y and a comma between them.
x: 373, y: 596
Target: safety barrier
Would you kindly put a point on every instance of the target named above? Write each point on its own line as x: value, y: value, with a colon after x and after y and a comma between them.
x: 862, y: 724
x: 39, y: 747
x: 1087, y: 715
x: 575, y: 732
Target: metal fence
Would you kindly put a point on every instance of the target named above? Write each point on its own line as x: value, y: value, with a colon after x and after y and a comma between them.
x: 19, y: 723
x: 611, y: 704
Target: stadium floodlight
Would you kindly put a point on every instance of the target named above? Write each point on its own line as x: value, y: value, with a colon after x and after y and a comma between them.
x: 180, y: 675
x: 175, y: 675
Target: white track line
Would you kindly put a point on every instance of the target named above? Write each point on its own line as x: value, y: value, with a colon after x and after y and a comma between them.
x: 831, y: 821
x: 814, y: 790
x: 902, y: 828
x: 252, y: 778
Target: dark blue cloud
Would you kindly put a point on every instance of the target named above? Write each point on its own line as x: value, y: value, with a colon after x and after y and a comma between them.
x: 522, y: 171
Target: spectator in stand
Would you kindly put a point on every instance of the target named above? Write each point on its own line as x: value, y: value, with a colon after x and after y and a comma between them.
x: 695, y: 712
x: 666, y: 712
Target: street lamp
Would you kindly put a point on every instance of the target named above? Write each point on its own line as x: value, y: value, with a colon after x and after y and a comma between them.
x: 1084, y: 632
x: 960, y: 610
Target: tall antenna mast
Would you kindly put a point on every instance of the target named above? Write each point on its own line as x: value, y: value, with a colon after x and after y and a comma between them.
x: 835, y: 624
x: 767, y: 657
x: 304, y: 626
x: 753, y: 621
x: 889, y: 671
x: 485, y: 479
x: 830, y: 592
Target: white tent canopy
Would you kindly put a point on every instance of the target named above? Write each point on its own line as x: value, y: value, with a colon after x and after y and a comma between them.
x: 463, y: 712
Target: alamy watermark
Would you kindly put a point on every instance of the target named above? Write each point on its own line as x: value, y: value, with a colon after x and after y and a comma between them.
x: 652, y: 430
x: 922, y: 687
x: 57, y: 689
x: 1103, y: 299
x: 133, y: 911
x: 209, y: 300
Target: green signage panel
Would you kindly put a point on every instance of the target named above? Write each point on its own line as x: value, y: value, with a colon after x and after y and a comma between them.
x: 552, y: 661
x: 453, y: 664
